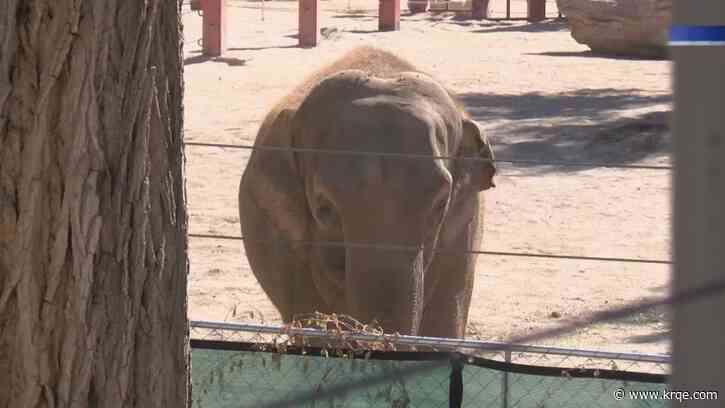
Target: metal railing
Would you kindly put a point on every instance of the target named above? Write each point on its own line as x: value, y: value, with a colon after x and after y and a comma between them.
x: 437, y: 343
x: 474, y: 374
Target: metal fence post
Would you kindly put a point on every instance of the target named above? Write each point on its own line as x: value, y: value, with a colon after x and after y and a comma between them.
x: 308, y: 25
x: 214, y: 25
x: 505, y: 385
x: 479, y: 9
x: 389, y: 15
x: 535, y: 10
x: 455, y: 387
x: 697, y: 47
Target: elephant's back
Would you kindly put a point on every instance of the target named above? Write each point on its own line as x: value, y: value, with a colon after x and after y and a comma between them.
x: 370, y: 60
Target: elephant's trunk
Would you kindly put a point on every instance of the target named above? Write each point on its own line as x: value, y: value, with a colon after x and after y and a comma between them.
x: 386, y: 286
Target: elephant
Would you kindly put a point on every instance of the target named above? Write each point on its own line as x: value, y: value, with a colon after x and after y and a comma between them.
x: 374, y: 236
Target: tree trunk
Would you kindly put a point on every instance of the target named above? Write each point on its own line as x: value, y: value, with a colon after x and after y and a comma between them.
x: 93, y: 250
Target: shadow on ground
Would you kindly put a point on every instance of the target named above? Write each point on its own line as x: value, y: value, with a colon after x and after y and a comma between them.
x: 360, y: 31
x: 581, y: 126
x: 267, y: 47
x: 659, y: 316
x: 361, y: 15
x: 552, y: 25
x: 658, y: 337
x: 590, y: 54
x: 231, y: 61
x: 464, y: 19
x: 585, y: 104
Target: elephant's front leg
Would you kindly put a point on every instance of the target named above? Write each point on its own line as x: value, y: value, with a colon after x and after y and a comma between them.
x: 281, y: 266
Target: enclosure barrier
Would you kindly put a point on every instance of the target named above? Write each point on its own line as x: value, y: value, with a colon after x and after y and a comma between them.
x: 214, y: 25
x: 522, y: 375
x: 245, y: 365
x: 214, y: 18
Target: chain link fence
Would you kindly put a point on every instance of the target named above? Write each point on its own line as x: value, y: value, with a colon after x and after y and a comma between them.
x: 236, y: 365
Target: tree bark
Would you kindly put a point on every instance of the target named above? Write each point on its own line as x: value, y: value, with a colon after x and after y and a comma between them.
x: 93, y: 250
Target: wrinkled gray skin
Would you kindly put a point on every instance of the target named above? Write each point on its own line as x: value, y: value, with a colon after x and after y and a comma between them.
x: 422, y: 203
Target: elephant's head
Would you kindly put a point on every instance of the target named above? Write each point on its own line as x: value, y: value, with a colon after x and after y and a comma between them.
x: 370, y: 201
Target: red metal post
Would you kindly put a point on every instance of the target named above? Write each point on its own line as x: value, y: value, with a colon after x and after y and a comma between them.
x: 308, y: 23
x: 389, y: 15
x: 479, y: 9
x: 536, y: 10
x: 215, y: 25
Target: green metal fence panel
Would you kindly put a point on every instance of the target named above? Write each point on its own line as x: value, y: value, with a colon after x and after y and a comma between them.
x: 536, y: 391
x: 226, y: 379
x: 223, y: 378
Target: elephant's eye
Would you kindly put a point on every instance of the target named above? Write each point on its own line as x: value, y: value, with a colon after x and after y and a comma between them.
x: 325, y: 212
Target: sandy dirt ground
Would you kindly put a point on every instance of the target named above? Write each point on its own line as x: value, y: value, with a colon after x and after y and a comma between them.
x: 539, y: 95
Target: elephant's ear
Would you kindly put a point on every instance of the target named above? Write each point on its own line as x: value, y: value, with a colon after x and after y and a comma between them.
x: 272, y: 183
x: 478, y: 173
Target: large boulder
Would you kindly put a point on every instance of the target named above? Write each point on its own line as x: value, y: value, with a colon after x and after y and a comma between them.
x: 621, y: 27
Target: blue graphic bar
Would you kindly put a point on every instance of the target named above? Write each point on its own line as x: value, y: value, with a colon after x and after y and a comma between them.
x: 696, y: 35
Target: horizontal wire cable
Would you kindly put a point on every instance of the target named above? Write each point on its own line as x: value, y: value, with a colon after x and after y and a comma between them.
x: 431, y: 157
x: 685, y: 297
x: 444, y: 250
